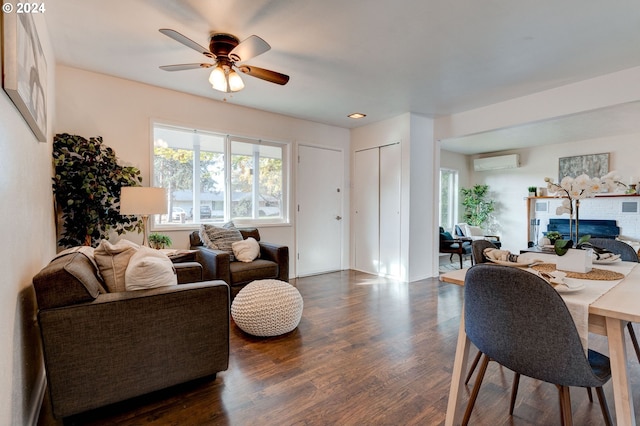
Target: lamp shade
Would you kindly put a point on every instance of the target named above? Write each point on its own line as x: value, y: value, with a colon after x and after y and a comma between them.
x: 143, y: 200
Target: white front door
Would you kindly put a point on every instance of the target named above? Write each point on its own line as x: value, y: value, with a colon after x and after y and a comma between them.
x: 319, y: 212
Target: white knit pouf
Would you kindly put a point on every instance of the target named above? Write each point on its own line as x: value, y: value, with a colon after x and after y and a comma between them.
x: 267, y: 308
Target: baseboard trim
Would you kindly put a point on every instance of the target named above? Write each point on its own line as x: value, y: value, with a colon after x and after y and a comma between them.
x: 38, y: 397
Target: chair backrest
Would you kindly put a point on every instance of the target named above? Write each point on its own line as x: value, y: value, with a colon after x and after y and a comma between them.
x: 477, y: 248
x: 625, y: 251
x: 520, y: 321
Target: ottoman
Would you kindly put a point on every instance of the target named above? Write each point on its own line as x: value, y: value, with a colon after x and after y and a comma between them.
x: 267, y: 308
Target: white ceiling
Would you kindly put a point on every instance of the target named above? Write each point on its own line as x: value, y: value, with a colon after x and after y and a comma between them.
x: 379, y: 57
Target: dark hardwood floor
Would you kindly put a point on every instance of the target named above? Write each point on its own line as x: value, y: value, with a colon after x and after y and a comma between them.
x: 368, y: 351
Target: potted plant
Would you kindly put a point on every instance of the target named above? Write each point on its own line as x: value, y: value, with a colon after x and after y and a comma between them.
x: 532, y: 191
x: 576, y: 260
x: 477, y: 209
x: 86, y: 185
x: 159, y: 241
x: 553, y: 236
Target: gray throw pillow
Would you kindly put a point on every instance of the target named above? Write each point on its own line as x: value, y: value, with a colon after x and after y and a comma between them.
x: 220, y: 238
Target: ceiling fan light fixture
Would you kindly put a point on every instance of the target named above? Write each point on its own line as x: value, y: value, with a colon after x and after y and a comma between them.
x: 235, y: 82
x: 218, y: 79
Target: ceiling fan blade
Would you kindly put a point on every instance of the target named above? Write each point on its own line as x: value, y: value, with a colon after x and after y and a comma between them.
x: 249, y: 48
x: 182, y: 67
x: 187, y: 42
x: 272, y: 76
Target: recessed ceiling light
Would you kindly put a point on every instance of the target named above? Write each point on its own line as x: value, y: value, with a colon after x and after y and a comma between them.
x: 357, y: 115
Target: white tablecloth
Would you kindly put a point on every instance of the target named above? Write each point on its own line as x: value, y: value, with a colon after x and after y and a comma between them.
x: 578, y: 301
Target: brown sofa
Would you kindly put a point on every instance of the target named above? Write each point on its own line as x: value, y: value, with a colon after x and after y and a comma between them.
x: 101, y: 348
x: 273, y: 262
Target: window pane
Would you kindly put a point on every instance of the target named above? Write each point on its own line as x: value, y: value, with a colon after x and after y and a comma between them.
x: 212, y: 177
x: 448, y: 198
x: 256, y: 193
x: 191, y: 166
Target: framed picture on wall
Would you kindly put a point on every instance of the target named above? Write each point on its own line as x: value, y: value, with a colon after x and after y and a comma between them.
x: 25, y: 70
x: 593, y: 165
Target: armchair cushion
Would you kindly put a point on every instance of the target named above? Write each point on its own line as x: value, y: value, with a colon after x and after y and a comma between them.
x: 446, y: 240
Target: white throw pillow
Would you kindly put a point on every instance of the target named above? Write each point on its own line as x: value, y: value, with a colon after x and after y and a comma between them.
x: 475, y: 231
x: 112, y: 260
x: 246, y: 250
x: 149, y: 268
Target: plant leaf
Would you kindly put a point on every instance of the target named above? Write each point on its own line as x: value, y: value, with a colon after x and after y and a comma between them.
x: 562, y: 246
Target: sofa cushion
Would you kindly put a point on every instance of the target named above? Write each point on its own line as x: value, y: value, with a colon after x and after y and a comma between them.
x: 220, y: 238
x: 246, y: 250
x: 112, y: 261
x: 149, y: 268
x: 67, y: 280
x: 242, y: 273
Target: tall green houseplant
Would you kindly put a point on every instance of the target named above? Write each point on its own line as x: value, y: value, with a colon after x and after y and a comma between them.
x: 477, y: 208
x: 86, y: 186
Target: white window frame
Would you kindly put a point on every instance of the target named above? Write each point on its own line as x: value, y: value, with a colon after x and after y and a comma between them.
x: 453, y: 198
x: 284, y: 219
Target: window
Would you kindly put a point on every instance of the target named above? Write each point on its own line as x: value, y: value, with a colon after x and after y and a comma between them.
x: 448, y: 198
x: 213, y: 177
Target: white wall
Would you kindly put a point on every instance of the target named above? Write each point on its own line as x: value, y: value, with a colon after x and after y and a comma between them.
x: 509, y: 187
x: 420, y: 170
x: 91, y: 104
x: 28, y: 244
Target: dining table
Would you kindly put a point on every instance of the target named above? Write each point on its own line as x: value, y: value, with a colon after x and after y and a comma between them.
x: 612, y: 307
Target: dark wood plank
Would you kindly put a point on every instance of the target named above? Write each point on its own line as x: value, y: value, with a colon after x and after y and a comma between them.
x: 368, y: 351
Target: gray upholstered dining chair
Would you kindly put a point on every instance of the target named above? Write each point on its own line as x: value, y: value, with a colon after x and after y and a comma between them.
x: 627, y: 253
x: 477, y: 250
x: 509, y: 329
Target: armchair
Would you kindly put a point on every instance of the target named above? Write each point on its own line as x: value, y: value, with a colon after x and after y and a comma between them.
x: 464, y: 230
x: 273, y: 262
x: 451, y: 245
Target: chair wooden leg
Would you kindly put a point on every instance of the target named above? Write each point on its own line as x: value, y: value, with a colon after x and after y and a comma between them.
x: 514, y: 392
x: 460, y: 254
x: 603, y: 405
x: 634, y: 340
x: 474, y: 364
x: 589, y: 394
x: 476, y: 389
x: 565, y: 405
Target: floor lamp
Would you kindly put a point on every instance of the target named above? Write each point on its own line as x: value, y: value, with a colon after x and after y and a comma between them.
x: 143, y: 201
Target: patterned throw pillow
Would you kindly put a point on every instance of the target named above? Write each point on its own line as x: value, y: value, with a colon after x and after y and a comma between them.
x: 220, y: 238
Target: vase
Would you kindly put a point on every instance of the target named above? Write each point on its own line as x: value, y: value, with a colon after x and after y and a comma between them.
x: 575, y: 260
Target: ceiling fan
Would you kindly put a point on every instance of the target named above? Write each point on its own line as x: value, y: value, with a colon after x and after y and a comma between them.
x: 226, y: 51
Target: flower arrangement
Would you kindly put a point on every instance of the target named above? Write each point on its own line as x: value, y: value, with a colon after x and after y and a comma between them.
x: 573, y: 190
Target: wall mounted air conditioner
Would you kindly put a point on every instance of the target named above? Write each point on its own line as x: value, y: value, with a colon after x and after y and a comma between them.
x: 496, y: 163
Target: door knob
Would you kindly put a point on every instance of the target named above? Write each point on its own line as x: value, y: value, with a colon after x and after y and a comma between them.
x: 338, y: 217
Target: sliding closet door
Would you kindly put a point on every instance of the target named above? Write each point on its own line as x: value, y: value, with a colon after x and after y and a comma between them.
x: 366, y: 218
x: 389, y: 263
